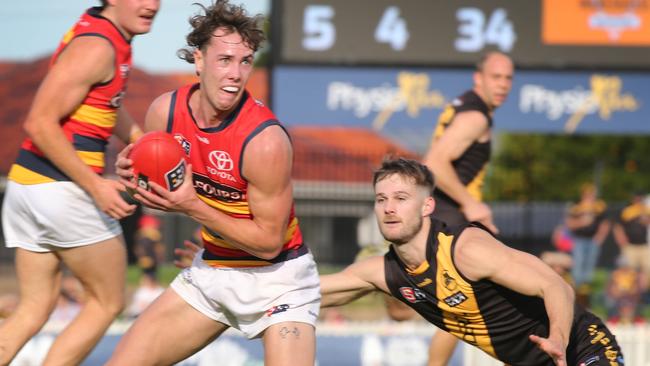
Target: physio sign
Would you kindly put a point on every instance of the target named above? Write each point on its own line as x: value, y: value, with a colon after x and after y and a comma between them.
x: 405, y: 103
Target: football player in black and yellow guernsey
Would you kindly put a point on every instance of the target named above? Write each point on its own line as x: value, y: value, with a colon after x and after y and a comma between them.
x: 461, y: 279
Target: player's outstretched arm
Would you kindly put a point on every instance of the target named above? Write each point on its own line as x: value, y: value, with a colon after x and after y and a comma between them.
x: 480, y: 256
x: 355, y: 281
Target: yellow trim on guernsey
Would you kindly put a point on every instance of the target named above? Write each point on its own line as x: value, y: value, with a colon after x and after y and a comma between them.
x: 92, y: 158
x: 236, y: 263
x: 95, y: 116
x: 22, y: 175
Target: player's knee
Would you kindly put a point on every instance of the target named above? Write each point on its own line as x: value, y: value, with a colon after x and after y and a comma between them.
x: 33, y: 322
x: 110, y: 305
x: 115, y: 306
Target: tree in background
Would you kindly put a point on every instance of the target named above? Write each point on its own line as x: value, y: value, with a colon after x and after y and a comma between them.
x: 534, y: 167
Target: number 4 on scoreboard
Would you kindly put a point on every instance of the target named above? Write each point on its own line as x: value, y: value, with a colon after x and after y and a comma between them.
x: 392, y: 29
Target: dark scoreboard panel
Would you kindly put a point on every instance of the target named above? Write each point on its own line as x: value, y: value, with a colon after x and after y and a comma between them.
x: 536, y: 33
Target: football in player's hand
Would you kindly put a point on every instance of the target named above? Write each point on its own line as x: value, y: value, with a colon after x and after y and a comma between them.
x: 158, y: 157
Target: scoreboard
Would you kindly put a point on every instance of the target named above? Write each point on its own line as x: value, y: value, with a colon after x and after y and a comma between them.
x: 593, y: 34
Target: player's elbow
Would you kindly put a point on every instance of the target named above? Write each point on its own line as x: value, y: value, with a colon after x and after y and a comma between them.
x: 33, y: 129
x: 270, y: 249
x: 269, y: 254
x: 436, y: 159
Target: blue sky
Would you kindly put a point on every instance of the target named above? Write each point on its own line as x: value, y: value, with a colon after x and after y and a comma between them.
x: 33, y: 28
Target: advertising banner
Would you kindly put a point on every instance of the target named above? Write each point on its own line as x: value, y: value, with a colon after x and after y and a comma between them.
x: 405, y: 103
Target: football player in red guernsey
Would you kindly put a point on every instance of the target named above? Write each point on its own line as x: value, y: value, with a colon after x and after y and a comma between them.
x: 57, y: 207
x: 254, y: 273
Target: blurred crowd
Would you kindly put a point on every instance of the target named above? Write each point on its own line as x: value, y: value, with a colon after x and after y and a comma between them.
x: 578, y: 241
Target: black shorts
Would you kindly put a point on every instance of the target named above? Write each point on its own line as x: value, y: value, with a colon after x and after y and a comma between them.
x: 594, y: 345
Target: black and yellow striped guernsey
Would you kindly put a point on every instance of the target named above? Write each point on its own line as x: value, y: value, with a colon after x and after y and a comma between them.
x: 487, y: 315
x: 471, y: 165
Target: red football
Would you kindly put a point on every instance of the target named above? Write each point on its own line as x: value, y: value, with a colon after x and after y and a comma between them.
x: 158, y: 157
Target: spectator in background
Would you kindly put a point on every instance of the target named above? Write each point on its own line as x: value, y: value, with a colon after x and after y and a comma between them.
x: 560, y: 258
x: 562, y: 239
x: 150, y: 252
x: 589, y: 227
x: 148, y: 247
x: 631, y: 235
x: 624, y: 293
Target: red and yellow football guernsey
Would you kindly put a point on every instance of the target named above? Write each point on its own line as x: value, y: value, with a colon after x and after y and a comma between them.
x: 216, y: 158
x: 90, y: 125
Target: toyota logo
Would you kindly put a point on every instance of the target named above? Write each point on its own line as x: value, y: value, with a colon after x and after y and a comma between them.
x: 220, y: 160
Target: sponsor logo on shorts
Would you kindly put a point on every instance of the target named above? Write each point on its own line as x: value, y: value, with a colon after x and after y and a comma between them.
x: 590, y: 360
x: 413, y: 295
x: 186, y: 276
x: 455, y: 299
x: 277, y: 309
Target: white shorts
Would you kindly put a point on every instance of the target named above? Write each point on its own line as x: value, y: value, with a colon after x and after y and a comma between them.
x: 47, y: 216
x: 252, y: 299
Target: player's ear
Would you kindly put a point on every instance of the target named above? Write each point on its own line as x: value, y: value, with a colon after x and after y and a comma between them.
x: 198, y: 61
x: 428, y: 206
x: 476, y: 77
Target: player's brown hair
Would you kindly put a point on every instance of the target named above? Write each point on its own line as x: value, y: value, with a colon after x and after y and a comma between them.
x: 222, y: 14
x: 419, y: 172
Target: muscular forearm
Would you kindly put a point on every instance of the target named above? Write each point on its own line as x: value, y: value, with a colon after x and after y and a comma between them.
x: 337, y: 290
x: 447, y: 181
x: 245, y: 234
x: 126, y: 129
x: 559, y: 302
